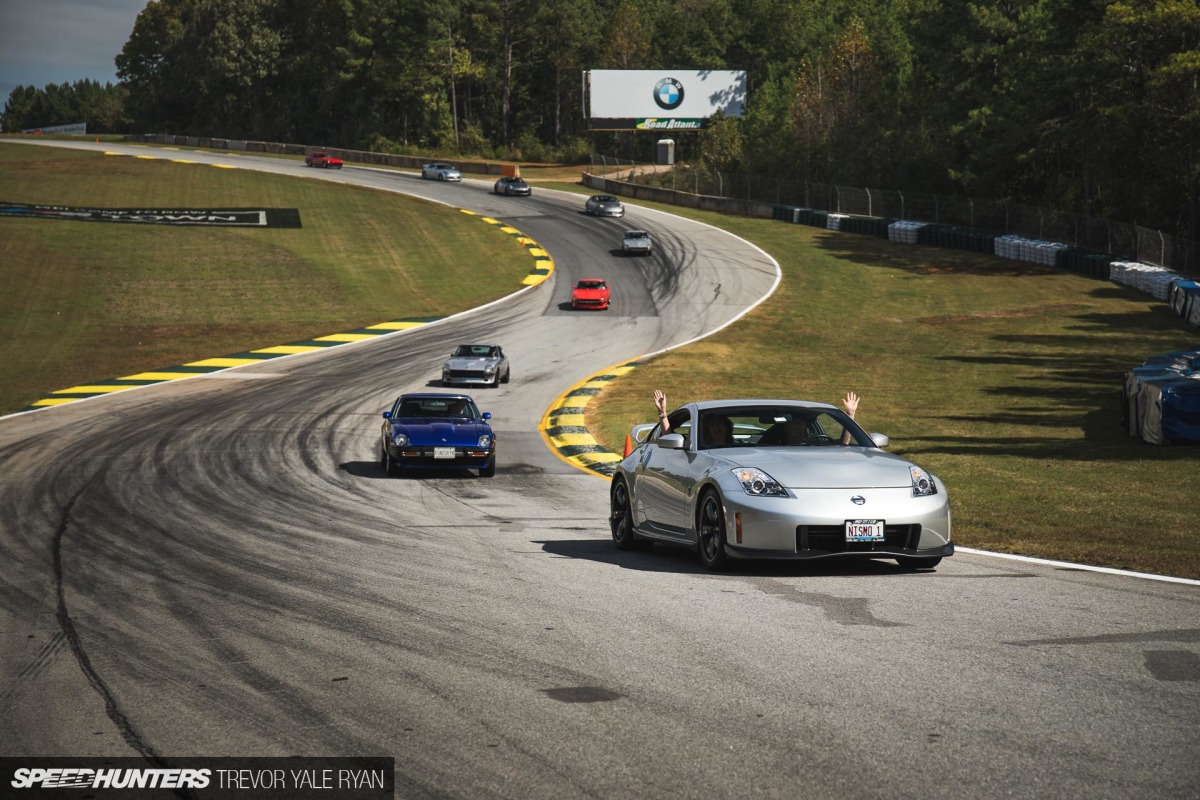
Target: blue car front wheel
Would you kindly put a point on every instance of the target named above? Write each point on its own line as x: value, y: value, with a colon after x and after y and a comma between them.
x: 385, y: 461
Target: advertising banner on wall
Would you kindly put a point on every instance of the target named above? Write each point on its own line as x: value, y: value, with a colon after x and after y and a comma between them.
x: 661, y: 100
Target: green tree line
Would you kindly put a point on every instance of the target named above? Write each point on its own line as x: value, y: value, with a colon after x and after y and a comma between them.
x: 1089, y: 106
x: 102, y: 108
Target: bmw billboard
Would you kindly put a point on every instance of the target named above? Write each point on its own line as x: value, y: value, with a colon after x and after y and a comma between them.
x: 661, y: 100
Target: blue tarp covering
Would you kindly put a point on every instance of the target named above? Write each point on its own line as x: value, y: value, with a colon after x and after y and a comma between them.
x: 1162, y: 398
x: 1184, y: 298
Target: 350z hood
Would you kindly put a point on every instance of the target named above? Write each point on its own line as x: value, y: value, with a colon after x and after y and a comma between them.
x: 833, y: 467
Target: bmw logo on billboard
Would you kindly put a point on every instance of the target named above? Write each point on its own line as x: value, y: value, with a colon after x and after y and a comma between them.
x: 668, y: 93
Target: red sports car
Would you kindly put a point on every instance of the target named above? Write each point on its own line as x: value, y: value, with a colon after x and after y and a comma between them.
x: 590, y: 293
x: 321, y: 159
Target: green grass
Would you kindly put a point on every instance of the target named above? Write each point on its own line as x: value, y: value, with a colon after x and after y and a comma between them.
x: 1003, y: 378
x: 89, y: 301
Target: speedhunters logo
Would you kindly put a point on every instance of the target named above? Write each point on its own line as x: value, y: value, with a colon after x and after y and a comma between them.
x: 668, y: 93
x: 206, y: 778
x: 204, y: 217
x: 83, y: 778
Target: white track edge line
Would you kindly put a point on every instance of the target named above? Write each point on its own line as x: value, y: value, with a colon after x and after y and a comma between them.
x: 1085, y: 567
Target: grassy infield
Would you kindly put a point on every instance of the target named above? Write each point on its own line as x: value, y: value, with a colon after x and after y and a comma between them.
x: 1001, y: 377
x: 90, y: 301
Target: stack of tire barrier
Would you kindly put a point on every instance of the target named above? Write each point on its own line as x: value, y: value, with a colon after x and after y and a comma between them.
x: 1035, y: 251
x: 867, y: 226
x: 905, y: 231
x: 1085, y: 262
x: 801, y: 216
x: 971, y: 239
x: 1161, y: 401
x: 1180, y: 293
x: 1149, y: 278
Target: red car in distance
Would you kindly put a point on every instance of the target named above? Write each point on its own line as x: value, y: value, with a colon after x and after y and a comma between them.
x: 322, y: 159
x: 590, y: 293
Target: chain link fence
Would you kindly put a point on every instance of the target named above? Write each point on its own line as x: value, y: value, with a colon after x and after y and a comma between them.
x: 1128, y: 241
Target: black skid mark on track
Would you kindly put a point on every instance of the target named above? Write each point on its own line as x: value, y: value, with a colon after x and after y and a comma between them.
x: 842, y: 610
x: 67, y: 626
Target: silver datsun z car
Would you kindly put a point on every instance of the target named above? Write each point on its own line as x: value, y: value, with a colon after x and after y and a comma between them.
x: 776, y: 479
x: 604, y: 205
x: 476, y: 364
x: 439, y: 171
x: 637, y: 243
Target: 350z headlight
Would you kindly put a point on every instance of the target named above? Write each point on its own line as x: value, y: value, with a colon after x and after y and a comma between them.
x: 758, y: 483
x: 400, y: 439
x: 922, y: 482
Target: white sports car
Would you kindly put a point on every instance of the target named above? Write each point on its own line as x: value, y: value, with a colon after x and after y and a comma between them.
x: 776, y: 479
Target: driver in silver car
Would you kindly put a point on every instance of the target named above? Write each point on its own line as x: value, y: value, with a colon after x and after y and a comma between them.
x: 718, y: 430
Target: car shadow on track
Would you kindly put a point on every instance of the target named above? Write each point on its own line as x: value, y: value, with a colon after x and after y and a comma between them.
x: 670, y: 558
x: 373, y: 471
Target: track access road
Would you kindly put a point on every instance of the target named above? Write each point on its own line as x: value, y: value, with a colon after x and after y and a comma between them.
x: 217, y: 566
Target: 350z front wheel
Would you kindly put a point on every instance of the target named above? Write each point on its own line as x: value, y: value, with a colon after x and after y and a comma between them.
x: 710, y: 532
x: 620, y: 519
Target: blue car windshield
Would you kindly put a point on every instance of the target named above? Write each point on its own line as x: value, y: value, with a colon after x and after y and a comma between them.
x: 436, y: 408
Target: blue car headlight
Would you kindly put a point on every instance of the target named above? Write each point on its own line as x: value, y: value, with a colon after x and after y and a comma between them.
x: 400, y: 439
x: 758, y: 483
x: 922, y: 482
x: 485, y: 441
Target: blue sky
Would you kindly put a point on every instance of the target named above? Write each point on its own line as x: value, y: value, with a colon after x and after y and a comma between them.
x: 62, y: 41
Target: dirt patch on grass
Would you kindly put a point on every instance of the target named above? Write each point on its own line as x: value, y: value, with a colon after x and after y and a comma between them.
x: 1014, y: 313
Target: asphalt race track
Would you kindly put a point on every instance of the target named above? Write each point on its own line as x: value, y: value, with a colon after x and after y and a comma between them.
x: 218, y: 566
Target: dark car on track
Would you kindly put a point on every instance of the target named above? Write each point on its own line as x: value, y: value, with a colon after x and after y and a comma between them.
x: 512, y: 186
x: 437, y: 431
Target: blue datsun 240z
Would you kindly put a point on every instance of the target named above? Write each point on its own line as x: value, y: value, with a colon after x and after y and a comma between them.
x: 437, y: 431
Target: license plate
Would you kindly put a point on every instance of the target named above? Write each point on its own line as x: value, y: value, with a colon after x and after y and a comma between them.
x: 443, y: 452
x: 864, y: 530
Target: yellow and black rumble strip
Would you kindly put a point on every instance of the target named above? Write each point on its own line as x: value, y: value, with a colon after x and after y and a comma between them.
x: 543, y: 267
x: 564, y: 429
x: 543, y: 264
x: 210, y: 365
